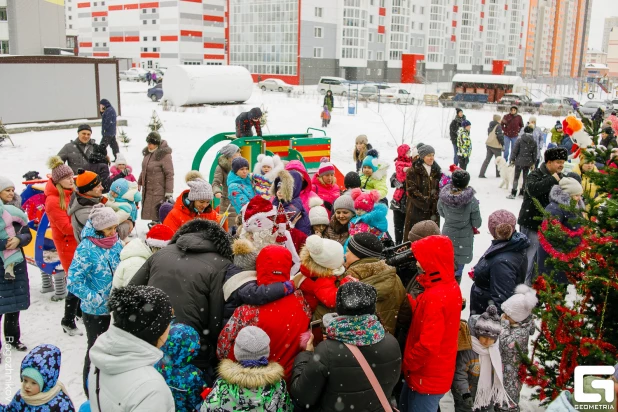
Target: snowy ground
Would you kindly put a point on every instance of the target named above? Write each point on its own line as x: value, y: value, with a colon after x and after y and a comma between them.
x: 185, y: 132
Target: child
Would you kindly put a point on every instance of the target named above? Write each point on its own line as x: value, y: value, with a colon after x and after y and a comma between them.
x: 325, y: 184
x: 185, y: 380
x: 517, y: 326
x: 374, y: 175
x: 556, y: 133
x: 370, y: 215
x: 286, y: 189
x: 464, y: 144
x: 264, y: 173
x: 403, y: 163
x: 123, y: 198
x: 360, y: 151
x: 120, y: 166
x: 252, y: 382
x: 40, y: 388
x: 461, y: 213
x: 523, y: 156
x: 351, y: 181
x: 239, y: 187
x: 318, y: 216
x: 478, y: 381
x: 13, y: 219
x: 325, y: 117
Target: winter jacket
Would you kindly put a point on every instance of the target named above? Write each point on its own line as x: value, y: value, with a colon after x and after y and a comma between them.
x: 46, y: 360
x: 556, y: 136
x: 512, y: 339
x: 391, y: 292
x: 76, y: 154
x: 329, y: 101
x: 79, y: 210
x: 431, y: 347
x: 15, y: 294
x: 512, y: 125
x: 539, y: 139
x: 328, y: 193
x: 609, y: 142
x: 567, y: 143
x: 325, y: 115
x: 91, y: 272
x: 372, y: 183
x: 423, y: 193
x: 263, y: 181
x: 239, y: 191
x: 60, y: 223
x: 249, y: 389
x: 291, y: 188
x: 125, y: 206
x: 402, y: 162
x: 454, y: 128
x: 185, y: 380
x: 132, y: 257
x: 219, y: 185
x: 467, y: 367
x: 331, y: 379
x: 114, y: 172
x: 127, y: 379
x: 501, y: 268
x: 589, y: 188
x: 244, y: 126
x: 540, y: 182
x: 495, y: 138
x: 371, y: 222
x: 563, y: 403
x: 461, y: 213
x: 156, y: 179
x: 180, y: 213
x: 199, y: 254
x: 614, y: 121
x: 102, y: 170
x: 525, y: 152
x: 306, y: 191
x: 336, y: 231
x: 464, y: 143
x: 108, y: 119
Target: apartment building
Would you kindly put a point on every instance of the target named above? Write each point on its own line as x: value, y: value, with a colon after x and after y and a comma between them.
x: 610, y: 23
x: 596, y: 56
x: 612, y: 53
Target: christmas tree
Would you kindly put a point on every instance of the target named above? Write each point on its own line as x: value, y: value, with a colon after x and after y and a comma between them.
x: 155, y: 123
x: 578, y: 329
x: 592, y: 126
x: 124, y: 138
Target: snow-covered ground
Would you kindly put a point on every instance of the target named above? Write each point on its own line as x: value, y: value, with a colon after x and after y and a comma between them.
x: 186, y: 130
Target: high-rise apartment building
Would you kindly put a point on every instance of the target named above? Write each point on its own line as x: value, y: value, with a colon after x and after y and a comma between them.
x: 610, y: 23
x: 612, y: 53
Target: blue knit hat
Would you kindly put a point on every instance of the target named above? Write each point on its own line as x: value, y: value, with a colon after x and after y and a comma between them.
x: 466, y: 123
x: 371, y: 160
x: 35, y: 375
x: 120, y: 187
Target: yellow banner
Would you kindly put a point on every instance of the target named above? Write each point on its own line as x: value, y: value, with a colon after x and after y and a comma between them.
x: 56, y: 2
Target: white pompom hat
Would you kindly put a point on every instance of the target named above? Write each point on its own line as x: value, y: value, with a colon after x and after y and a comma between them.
x: 519, y: 306
x: 322, y: 257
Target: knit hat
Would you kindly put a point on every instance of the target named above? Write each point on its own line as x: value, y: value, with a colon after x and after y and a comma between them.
x: 371, y: 160
x: 239, y: 163
x: 571, y: 186
x: 423, y: 229
x: 120, y: 159
x: 460, y: 179
x: 365, y: 245
x: 35, y: 375
x: 326, y: 167
x: 143, y: 311
x: 102, y: 217
x: 159, y: 236
x: 86, y: 180
x: 425, y: 150
x: 325, y: 252
x: 519, y: 306
x: 488, y: 324
x: 164, y: 209
x: 556, y: 153
x: 361, y: 138
x: 256, y: 215
x: 266, y: 161
x: 252, y: 343
x: 59, y: 170
x: 575, y: 176
x: 532, y: 119
x: 502, y: 224
x: 229, y: 150
x: 120, y: 187
x: 558, y: 125
x: 466, y: 123
x: 356, y: 299
x: 344, y: 202
x: 364, y: 200
x: 317, y: 213
x: 199, y: 190
x: 5, y: 183
x: 83, y: 127
x: 153, y: 138
x: 458, y: 110
x: 245, y: 254
x: 351, y: 180
x: 528, y: 129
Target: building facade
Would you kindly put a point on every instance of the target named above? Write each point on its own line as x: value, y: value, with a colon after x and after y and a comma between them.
x: 4, y: 28
x: 610, y: 23
x: 596, y: 56
x: 612, y: 53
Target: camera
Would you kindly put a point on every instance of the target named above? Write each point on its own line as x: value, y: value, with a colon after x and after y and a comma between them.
x: 399, y: 256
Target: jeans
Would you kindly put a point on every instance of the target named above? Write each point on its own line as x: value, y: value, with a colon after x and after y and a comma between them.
x: 509, y: 144
x: 531, y: 253
x: 491, y: 152
x: 95, y: 326
x: 411, y: 401
x: 12, y: 332
x: 459, y: 272
x: 463, y: 162
x: 455, y: 157
x: 399, y: 221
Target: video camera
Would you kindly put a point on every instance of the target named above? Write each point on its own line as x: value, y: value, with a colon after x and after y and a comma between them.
x: 399, y: 256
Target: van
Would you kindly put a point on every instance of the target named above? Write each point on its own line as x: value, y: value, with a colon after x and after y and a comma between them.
x: 338, y: 85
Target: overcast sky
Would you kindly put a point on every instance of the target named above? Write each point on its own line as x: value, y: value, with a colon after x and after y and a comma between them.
x: 600, y: 10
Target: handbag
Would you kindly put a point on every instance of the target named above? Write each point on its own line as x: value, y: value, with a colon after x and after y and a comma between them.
x: 371, y: 377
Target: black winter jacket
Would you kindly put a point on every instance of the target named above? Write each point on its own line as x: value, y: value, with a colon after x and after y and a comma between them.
x: 524, y: 153
x: 15, y: 294
x: 454, y: 128
x: 500, y: 270
x: 539, y: 184
x: 332, y: 380
x: 244, y: 125
x: 108, y: 119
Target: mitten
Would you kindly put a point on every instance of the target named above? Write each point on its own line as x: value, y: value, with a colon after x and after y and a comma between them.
x: 468, y: 399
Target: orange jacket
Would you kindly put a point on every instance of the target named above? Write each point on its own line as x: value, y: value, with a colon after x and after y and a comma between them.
x: 180, y: 214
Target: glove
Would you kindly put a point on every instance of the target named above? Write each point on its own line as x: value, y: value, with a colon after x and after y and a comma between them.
x: 125, y: 171
x: 169, y: 197
x: 289, y: 287
x: 468, y: 399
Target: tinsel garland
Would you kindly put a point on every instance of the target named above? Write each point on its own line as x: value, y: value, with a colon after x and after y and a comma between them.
x: 564, y: 257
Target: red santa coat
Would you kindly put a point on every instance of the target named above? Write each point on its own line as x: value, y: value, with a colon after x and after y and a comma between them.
x: 60, y: 222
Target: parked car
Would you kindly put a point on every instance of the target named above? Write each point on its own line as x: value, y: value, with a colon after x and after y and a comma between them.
x: 555, y: 106
x: 470, y: 100
x: 274, y: 84
x: 446, y: 99
x: 367, y: 92
x: 590, y: 107
x: 395, y: 95
x: 156, y: 93
x: 615, y: 104
x: 338, y: 85
x: 523, y: 102
x: 132, y: 75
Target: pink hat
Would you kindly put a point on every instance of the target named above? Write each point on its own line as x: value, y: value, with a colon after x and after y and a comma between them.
x: 502, y: 224
x: 326, y: 167
x: 364, y: 200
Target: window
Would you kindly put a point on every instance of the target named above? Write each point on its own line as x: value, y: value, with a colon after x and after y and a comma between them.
x: 70, y: 8
x: 144, y: 49
x: 371, y: 2
x: 144, y: 21
x: 4, y: 47
x: 70, y: 17
x: 318, y: 11
x: 380, y: 38
x: 317, y: 32
x: 96, y: 19
x: 371, y: 19
x: 104, y: 44
x: 420, y: 42
x: 102, y: 18
x: 382, y: 3
x: 414, y: 8
x: 154, y: 22
x: 379, y: 72
x: 96, y: 45
x: 145, y: 38
x: 155, y: 49
x: 154, y: 10
x: 144, y: 11
x: 370, y: 37
x: 95, y: 4
x: 370, y: 55
x: 70, y: 26
x: 422, y: 10
x: 104, y: 28
x: 368, y: 71
x: 420, y: 26
x: 381, y: 21
x: 150, y: 64
x: 317, y: 52
x: 412, y: 25
x: 96, y: 29
x: 380, y: 56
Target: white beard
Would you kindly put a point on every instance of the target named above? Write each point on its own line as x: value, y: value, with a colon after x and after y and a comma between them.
x: 261, y: 239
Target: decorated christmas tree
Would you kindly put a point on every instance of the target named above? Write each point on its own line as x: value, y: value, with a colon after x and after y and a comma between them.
x: 124, y: 138
x: 155, y: 123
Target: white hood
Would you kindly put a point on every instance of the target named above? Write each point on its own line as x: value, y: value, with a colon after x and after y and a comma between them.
x: 135, y: 248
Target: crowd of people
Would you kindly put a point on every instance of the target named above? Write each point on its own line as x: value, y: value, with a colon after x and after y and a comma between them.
x: 284, y: 296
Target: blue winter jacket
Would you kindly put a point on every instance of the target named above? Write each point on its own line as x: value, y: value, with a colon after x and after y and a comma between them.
x: 15, y: 294
x: 108, y: 119
x: 296, y: 203
x: 90, y: 274
x: 185, y: 380
x: 239, y: 191
x: 375, y: 219
x: 46, y: 360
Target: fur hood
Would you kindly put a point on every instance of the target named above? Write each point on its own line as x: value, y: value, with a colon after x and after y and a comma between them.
x: 270, y: 176
x: 559, y: 196
x: 458, y: 199
x: 204, y: 230
x: 291, y: 185
x: 162, y: 151
x: 225, y: 163
x: 251, y: 378
x: 314, y: 268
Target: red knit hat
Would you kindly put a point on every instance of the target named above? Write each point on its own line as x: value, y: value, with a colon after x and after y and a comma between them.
x: 326, y: 167
x: 257, y: 213
x: 273, y: 264
x: 364, y: 200
x: 159, y: 236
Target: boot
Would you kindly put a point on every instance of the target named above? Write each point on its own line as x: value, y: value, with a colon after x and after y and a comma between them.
x: 18, y: 346
x: 70, y: 328
x: 521, y: 193
x: 60, y: 285
x: 46, y: 283
x: 513, y: 195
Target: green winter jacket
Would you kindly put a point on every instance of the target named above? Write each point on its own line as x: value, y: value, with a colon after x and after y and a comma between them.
x: 370, y: 183
x: 464, y: 143
x: 556, y: 136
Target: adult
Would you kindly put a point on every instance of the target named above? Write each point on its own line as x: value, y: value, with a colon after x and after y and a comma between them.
x: 246, y: 121
x: 523, y: 156
x: 149, y: 77
x: 494, y: 144
x: 76, y: 152
x: 423, y: 189
x: 431, y: 346
x: 219, y: 184
x: 329, y: 376
x: 454, y: 129
x: 89, y: 193
x: 108, y: 127
x: 338, y: 227
x: 613, y: 119
x: 585, y: 169
x: 363, y: 262
x: 191, y: 270
x: 540, y: 183
x: 123, y: 377
x: 608, y: 139
x: 539, y: 138
x: 14, y: 294
x: 98, y: 162
x: 511, y: 124
x: 503, y: 265
x: 329, y: 100
x: 156, y: 180
x: 155, y: 78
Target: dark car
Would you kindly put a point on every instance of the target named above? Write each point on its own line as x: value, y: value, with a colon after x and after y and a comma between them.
x: 446, y: 99
x: 156, y: 93
x: 470, y: 100
x: 523, y: 102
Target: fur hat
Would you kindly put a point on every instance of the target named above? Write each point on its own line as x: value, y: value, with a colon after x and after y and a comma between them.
x: 460, y: 179
x: 571, y: 186
x: 59, y: 170
x: 519, y: 306
x: 120, y: 159
x: 102, y: 217
x: 344, y: 202
x: 120, y: 187
x: 502, y: 224
x: 239, y: 163
x: 556, y: 153
x: 364, y: 200
x: 245, y: 254
x: 229, y: 150
x: 423, y: 229
x: 266, y: 161
x: 159, y: 236
x: 365, y: 245
x: 251, y: 344
x: 326, y: 167
x: 317, y: 213
x: 256, y: 215
x: 371, y: 160
x: 5, y: 183
x: 361, y: 138
x: 321, y: 257
x: 425, y: 150
x: 86, y: 181
x: 352, y: 180
x: 356, y: 299
x: 488, y: 324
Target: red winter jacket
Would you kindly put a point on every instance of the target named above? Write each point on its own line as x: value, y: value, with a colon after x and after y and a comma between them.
x: 511, y: 125
x: 431, y: 348
x: 60, y: 222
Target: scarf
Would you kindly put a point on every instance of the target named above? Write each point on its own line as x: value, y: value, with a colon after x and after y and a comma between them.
x: 363, y: 330
x: 486, y: 393
x: 254, y: 363
x: 427, y: 168
x: 105, y: 242
x: 43, y: 398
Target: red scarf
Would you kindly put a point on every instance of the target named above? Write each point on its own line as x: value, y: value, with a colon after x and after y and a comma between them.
x: 105, y: 242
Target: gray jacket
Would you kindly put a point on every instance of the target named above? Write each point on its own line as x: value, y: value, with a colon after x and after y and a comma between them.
x: 71, y: 154
x: 461, y: 213
x: 525, y: 152
x: 79, y: 210
x: 539, y: 138
x: 514, y: 337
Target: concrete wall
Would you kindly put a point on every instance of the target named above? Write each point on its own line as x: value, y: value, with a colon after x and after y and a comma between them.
x: 35, y: 24
x: 328, y: 41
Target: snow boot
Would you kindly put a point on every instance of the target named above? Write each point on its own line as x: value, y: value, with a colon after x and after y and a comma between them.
x: 60, y: 284
x: 513, y: 195
x: 46, y: 283
x: 70, y: 328
x: 19, y: 346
